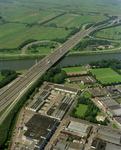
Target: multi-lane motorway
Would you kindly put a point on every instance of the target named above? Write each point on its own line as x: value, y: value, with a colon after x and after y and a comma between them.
x: 14, y: 91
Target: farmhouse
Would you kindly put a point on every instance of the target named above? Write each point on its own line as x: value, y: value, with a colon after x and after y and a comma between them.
x: 84, y: 79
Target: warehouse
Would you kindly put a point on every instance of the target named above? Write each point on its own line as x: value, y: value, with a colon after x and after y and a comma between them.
x: 84, y: 79
x: 114, y: 92
x: 62, y: 108
x: 97, y: 92
x: 117, y: 120
x: 114, y: 112
x: 43, y: 95
x: 38, y: 129
x: 35, y: 105
x: 78, y: 127
x: 107, y: 136
x: 65, y: 89
x: 112, y: 104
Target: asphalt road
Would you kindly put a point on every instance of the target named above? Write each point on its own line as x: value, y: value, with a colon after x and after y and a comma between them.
x: 14, y: 91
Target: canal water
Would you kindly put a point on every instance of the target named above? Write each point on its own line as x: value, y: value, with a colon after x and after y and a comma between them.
x: 72, y: 60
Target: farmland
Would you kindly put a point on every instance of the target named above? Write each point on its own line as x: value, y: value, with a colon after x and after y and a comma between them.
x: 73, y: 69
x: 110, y: 33
x: 106, y: 75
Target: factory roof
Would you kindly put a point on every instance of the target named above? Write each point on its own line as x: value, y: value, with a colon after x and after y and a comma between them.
x: 110, y: 146
x: 116, y: 112
x: 61, y: 87
x: 85, y: 79
x: 109, y: 136
x: 39, y: 126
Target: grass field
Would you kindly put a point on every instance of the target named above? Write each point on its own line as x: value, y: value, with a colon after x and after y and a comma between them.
x: 106, y: 75
x: 72, y: 20
x: 81, y: 109
x: 119, y: 100
x: 73, y: 69
x: 110, y: 33
x: 114, y: 126
x: 42, y: 50
x: 40, y: 33
x: 81, y: 86
x: 86, y: 94
x: 99, y: 114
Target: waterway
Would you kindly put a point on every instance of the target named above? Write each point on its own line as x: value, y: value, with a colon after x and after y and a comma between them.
x: 72, y: 60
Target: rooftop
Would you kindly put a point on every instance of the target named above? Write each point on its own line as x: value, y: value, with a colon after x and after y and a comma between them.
x: 116, y: 112
x: 108, y: 136
x: 56, y: 86
x: 39, y: 126
x: 85, y: 79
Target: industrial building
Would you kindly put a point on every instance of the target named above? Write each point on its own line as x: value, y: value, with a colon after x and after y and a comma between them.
x: 97, y: 144
x: 108, y: 136
x: 64, y: 104
x: 113, y: 92
x: 38, y: 129
x: 117, y: 120
x: 65, y: 89
x: 80, y: 128
x: 114, y: 112
x: 84, y: 79
x: 97, y: 92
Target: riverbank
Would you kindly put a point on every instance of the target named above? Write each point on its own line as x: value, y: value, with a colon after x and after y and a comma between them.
x: 21, y: 57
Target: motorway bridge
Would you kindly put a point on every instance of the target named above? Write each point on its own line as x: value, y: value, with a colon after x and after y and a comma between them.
x: 14, y: 91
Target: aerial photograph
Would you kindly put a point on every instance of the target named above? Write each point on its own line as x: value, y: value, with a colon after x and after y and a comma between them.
x: 60, y: 74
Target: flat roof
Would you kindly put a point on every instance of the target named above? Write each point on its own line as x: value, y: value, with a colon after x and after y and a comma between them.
x: 118, y: 119
x: 39, y: 126
x: 77, y: 127
x: 43, y: 94
x: 116, y: 112
x: 104, y: 98
x: 74, y: 145
x: 110, y: 103
x: 86, y: 79
x: 23, y: 148
x: 109, y: 136
x: 56, y: 86
x: 98, y: 92
x: 110, y: 146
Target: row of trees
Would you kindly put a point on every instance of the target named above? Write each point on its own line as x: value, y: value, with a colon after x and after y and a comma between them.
x: 90, y: 114
x: 83, y: 45
x: 9, y: 75
x: 7, y: 124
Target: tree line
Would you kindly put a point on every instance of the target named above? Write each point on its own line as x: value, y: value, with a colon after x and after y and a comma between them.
x: 54, y: 74
x: 91, y: 112
x: 9, y: 75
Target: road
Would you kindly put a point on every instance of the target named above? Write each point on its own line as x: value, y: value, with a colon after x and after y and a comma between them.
x: 15, y: 91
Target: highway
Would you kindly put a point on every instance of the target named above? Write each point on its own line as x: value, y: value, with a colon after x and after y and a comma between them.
x: 14, y: 91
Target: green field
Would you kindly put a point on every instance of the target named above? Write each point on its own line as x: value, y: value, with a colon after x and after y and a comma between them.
x: 110, y: 33
x: 81, y: 109
x: 87, y: 94
x: 40, y: 33
x: 1, y: 77
x: 115, y: 127
x: 99, y: 114
x: 73, y: 69
x: 81, y: 86
x: 118, y: 100
x: 71, y: 20
x: 106, y: 75
x: 42, y: 49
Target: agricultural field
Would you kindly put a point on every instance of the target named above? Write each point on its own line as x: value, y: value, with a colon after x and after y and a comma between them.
x: 110, y: 33
x: 41, y: 48
x: 73, y: 69
x: 71, y: 20
x: 39, y: 33
x: 106, y: 75
x: 81, y: 109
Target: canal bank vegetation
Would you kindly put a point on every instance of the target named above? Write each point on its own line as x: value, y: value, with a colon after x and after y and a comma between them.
x: 54, y: 74
x: 7, y: 77
x: 22, y: 57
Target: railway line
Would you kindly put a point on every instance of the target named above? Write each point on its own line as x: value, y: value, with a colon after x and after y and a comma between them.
x: 15, y: 91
